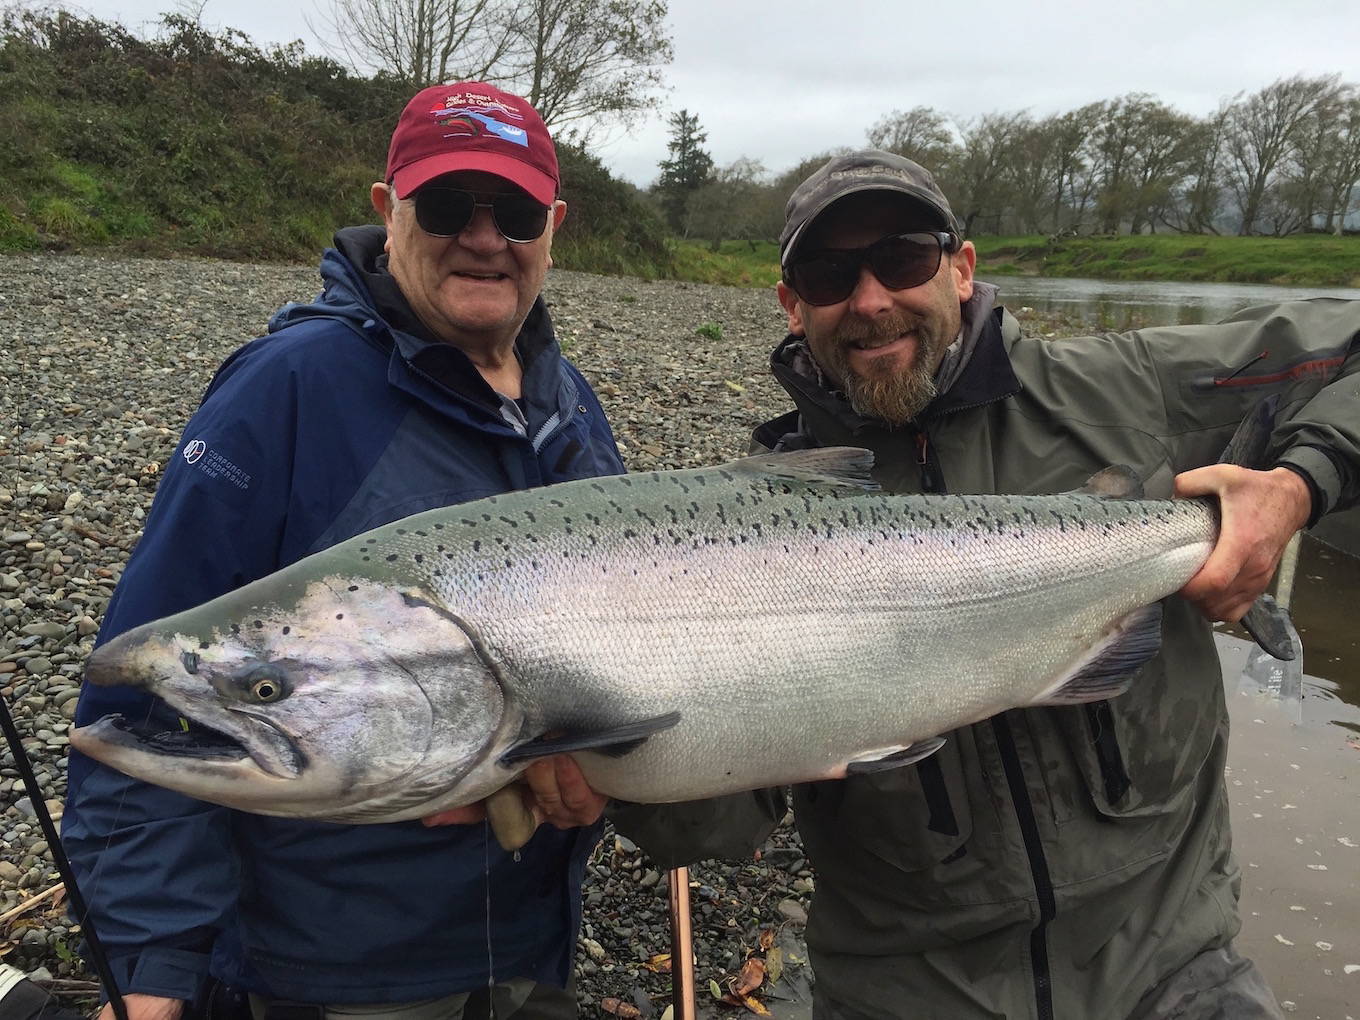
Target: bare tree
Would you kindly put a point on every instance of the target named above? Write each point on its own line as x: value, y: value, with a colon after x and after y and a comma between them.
x: 578, y: 59
x: 976, y: 179
x: 1343, y: 165
x: 1263, y: 131
x: 572, y: 59
x: 920, y: 133
x: 417, y: 42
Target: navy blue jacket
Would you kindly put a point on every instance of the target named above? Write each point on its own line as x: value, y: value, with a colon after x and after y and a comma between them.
x: 332, y: 424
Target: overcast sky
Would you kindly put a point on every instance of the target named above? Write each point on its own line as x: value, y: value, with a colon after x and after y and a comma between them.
x: 781, y: 80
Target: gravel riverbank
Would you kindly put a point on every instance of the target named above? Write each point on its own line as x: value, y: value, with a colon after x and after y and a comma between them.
x: 105, y: 359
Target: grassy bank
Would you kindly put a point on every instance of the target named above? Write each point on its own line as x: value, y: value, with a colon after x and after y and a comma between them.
x: 1307, y: 261
x: 1310, y: 260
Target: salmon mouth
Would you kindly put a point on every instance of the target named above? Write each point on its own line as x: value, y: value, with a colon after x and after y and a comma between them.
x: 198, y: 742
x: 276, y: 755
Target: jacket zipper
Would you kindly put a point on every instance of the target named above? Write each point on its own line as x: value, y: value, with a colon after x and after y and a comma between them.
x: 1038, y: 866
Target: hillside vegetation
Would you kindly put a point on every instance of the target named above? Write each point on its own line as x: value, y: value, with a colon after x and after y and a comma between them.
x: 195, y: 142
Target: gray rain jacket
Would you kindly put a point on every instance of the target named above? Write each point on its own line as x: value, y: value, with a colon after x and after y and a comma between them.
x: 1048, y: 862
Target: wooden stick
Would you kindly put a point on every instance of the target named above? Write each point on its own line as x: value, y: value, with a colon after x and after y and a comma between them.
x: 28, y: 904
x: 682, y: 946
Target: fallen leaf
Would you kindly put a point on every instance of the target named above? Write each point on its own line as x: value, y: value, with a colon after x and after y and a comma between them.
x: 617, y: 1007
x: 767, y: 939
x: 735, y: 387
x: 754, y: 1005
x: 659, y: 964
x: 752, y: 976
x: 774, y: 964
x: 668, y: 1013
x: 714, y: 989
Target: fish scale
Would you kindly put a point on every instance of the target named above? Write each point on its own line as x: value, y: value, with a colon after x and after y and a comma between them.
x: 689, y: 633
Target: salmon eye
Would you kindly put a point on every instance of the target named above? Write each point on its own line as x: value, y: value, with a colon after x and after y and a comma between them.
x: 266, y: 690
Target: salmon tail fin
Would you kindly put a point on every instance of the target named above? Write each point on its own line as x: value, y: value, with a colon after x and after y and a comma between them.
x: 1269, y: 624
x: 1248, y: 445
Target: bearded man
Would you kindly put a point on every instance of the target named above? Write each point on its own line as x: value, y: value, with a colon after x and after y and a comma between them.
x: 1052, y: 861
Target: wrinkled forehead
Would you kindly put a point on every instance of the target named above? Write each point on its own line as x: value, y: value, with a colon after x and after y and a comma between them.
x: 864, y: 217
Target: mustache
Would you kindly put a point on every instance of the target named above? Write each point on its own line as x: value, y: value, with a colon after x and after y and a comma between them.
x: 857, y: 330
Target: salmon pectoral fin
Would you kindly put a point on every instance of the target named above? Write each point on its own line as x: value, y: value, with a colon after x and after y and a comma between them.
x: 894, y: 758
x: 1108, y: 669
x: 615, y: 741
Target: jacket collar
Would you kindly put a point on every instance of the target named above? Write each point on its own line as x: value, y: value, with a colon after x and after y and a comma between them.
x: 359, y: 289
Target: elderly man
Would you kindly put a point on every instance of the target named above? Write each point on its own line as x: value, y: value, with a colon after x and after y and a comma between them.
x: 1049, y: 862
x: 425, y: 374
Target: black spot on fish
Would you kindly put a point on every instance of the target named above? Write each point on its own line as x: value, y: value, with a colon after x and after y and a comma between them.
x: 353, y: 587
x: 418, y: 558
x: 439, y: 527
x: 512, y: 523
x: 392, y: 558
x: 476, y: 545
x: 370, y: 541
x: 486, y: 517
x: 204, y: 645
x: 287, y: 629
x: 339, y: 616
x: 367, y: 558
x: 236, y: 628
x: 259, y: 624
x: 401, y: 531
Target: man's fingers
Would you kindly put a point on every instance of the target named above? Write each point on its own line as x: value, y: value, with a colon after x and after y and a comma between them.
x: 456, y: 816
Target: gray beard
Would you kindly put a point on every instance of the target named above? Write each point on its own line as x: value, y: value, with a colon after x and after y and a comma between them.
x: 889, y: 395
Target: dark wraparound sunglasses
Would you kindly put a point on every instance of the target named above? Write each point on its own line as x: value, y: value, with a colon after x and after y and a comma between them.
x: 445, y: 212
x: 899, y: 261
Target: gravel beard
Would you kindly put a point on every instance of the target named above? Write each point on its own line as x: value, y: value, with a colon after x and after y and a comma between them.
x: 891, y: 395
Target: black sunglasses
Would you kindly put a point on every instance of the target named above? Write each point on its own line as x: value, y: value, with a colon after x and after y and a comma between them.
x: 445, y: 212
x: 899, y: 261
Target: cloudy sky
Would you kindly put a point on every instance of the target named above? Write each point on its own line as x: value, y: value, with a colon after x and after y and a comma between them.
x: 780, y: 81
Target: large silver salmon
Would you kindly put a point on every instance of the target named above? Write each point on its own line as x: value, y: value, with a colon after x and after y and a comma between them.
x: 684, y: 633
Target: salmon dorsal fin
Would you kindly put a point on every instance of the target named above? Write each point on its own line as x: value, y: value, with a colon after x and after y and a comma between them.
x: 1118, y: 481
x: 832, y: 465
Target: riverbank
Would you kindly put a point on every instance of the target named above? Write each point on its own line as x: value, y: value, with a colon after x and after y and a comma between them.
x: 1313, y: 260
x: 105, y: 358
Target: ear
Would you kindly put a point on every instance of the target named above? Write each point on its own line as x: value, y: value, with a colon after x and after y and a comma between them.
x: 792, y: 306
x: 559, y: 213
x: 381, y: 198
x: 962, y: 263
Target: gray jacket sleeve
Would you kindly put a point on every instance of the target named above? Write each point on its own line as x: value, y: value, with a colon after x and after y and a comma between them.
x: 678, y: 834
x: 1206, y: 379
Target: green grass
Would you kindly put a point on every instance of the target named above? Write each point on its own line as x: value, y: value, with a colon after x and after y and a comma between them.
x: 1306, y: 260
x: 734, y: 264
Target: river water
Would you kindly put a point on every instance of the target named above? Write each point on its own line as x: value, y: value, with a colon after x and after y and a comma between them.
x: 1115, y: 304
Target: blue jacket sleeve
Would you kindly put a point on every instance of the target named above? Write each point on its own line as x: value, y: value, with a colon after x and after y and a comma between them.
x: 156, y: 867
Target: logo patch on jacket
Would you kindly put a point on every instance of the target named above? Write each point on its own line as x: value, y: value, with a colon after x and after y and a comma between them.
x: 213, y: 464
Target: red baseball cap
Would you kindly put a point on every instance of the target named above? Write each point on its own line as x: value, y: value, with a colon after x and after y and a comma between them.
x: 472, y: 126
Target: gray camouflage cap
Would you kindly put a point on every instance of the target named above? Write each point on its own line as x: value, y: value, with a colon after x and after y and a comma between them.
x: 865, y: 170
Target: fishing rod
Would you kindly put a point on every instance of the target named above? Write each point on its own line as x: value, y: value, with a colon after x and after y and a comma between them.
x: 82, y: 913
x: 682, y: 946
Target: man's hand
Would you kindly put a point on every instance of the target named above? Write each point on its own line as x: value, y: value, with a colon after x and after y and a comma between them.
x: 1260, y: 512
x: 146, y: 1007
x: 554, y: 790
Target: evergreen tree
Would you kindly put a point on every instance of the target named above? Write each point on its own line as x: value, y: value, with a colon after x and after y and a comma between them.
x: 687, y: 170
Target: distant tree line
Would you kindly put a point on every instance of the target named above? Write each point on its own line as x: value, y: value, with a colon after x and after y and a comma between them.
x: 1283, y: 160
